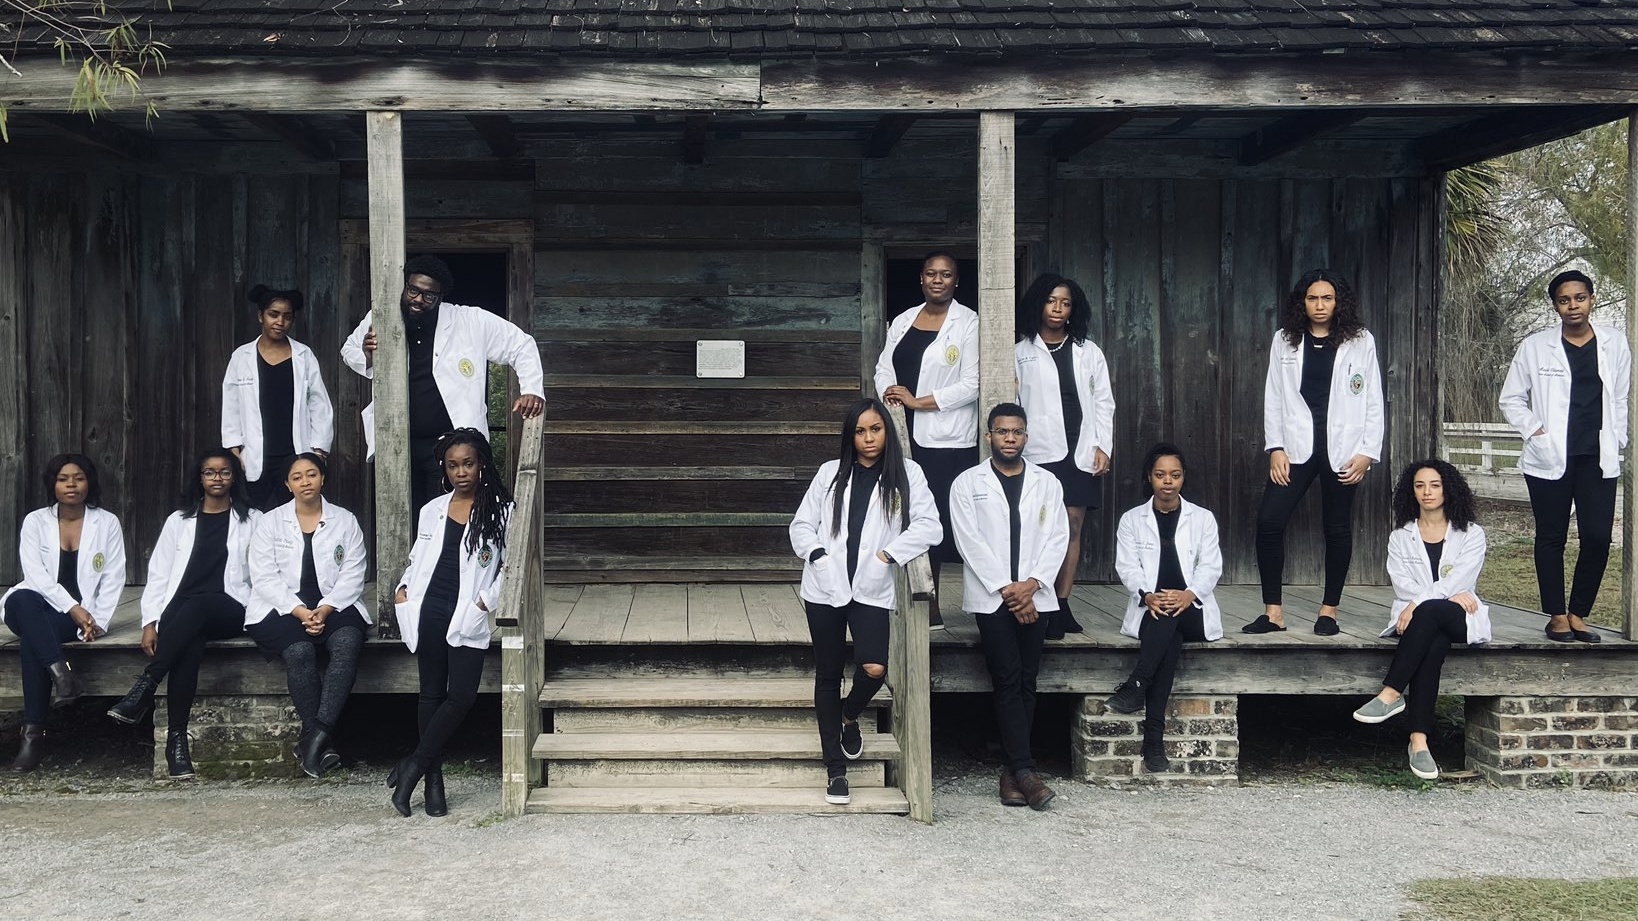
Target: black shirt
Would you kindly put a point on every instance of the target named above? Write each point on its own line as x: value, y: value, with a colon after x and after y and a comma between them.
x: 1170, y: 575
x: 68, y: 572
x: 277, y: 393
x: 1068, y: 393
x: 309, y: 593
x: 859, y: 490
x: 1436, y: 549
x: 209, y: 558
x: 907, y: 364
x: 1319, y: 359
x: 1586, y: 418
x: 444, y: 589
x: 1013, y: 486
x: 429, y: 418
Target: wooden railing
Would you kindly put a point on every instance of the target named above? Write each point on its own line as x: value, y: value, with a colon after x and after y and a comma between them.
x: 909, y: 671
x: 521, y: 623
x: 1481, y: 447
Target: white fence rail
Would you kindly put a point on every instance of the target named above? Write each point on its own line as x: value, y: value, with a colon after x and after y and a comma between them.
x: 1491, y: 448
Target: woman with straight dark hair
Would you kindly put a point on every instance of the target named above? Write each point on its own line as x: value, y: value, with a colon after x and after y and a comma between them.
x: 1063, y: 383
x: 274, y: 404
x: 1566, y: 393
x: 1167, y: 556
x: 1322, y: 420
x: 72, y: 554
x: 198, y: 583
x: 864, y: 513
x: 1435, y: 555
x: 444, y: 601
x: 307, y: 563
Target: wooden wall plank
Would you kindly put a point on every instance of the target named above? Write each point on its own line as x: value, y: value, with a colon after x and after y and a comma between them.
x: 1132, y: 292
x: 17, y: 490
x: 1191, y: 329
x: 55, y: 214
x: 219, y: 291
x: 104, y: 273
x: 997, y: 261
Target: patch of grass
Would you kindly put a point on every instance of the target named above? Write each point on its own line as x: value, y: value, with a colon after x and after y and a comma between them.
x: 1509, y: 577
x: 1496, y: 898
x: 493, y: 818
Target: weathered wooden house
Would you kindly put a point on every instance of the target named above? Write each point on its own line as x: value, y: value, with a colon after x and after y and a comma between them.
x: 629, y: 179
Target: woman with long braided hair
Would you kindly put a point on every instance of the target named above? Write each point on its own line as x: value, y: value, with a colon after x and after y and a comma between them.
x: 444, y: 600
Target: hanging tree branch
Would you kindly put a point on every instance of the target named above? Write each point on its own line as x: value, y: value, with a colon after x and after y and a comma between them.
x: 102, y: 42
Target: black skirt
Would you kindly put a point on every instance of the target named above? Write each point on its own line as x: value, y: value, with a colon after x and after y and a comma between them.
x: 1081, y: 489
x: 277, y: 632
x: 942, y: 466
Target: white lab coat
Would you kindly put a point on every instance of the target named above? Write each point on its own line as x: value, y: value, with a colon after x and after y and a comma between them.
x: 1536, y: 395
x: 983, y: 534
x: 1137, y: 562
x: 275, y: 561
x: 949, y: 373
x: 1411, y: 572
x: 1039, y: 394
x: 825, y: 581
x: 101, y: 569
x: 465, y: 341
x: 169, y: 562
x: 312, y: 419
x: 1354, y: 411
x: 480, y: 581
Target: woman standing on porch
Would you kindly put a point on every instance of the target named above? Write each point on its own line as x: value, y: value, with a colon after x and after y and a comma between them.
x: 1063, y: 383
x: 274, y: 404
x: 443, y: 604
x: 864, y: 513
x: 1322, y: 420
x: 72, y: 554
x: 1566, y: 393
x: 1167, y: 556
x: 1434, y: 558
x: 929, y: 365
x: 307, y: 573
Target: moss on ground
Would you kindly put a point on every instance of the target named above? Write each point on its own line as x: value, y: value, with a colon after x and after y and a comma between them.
x: 1497, y: 898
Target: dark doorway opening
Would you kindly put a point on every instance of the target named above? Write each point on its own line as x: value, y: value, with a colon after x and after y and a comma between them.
x: 901, y: 285
x: 480, y: 281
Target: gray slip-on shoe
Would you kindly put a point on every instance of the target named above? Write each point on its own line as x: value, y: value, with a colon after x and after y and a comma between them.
x: 1423, y: 765
x: 1377, y: 710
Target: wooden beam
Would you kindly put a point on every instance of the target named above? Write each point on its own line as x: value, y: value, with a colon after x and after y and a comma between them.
x: 295, y: 131
x: 997, y: 255
x: 1085, y: 131
x: 1508, y: 131
x: 693, y: 139
x: 1629, y: 529
x: 393, y: 518
x: 872, y: 322
x: 100, y: 134
x: 497, y: 132
x: 889, y: 129
x: 1291, y: 132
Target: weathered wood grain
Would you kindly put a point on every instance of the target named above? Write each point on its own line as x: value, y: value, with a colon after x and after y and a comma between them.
x: 659, y: 495
x: 997, y: 294
x: 105, y: 284
x: 14, y: 384
x: 391, y: 371
x: 666, y: 359
x: 716, y: 614
x: 1629, y: 530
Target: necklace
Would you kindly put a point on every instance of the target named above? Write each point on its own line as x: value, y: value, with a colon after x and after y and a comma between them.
x: 1055, y: 348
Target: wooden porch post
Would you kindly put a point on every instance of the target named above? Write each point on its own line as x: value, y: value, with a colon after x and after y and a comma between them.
x: 1629, y: 506
x: 384, y: 139
x: 997, y: 261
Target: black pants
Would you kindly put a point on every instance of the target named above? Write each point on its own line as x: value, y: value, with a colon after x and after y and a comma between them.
x: 449, y: 686
x: 1012, y: 651
x: 1336, y: 511
x: 187, y: 624
x: 1417, y: 662
x: 829, y: 628
x: 1583, y: 486
x: 1160, y: 645
x: 41, y: 632
x: 319, y: 697
x: 270, y: 492
x: 426, y: 479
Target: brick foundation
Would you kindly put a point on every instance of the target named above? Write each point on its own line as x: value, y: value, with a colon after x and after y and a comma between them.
x: 234, y: 737
x: 1567, y: 742
x: 1202, y: 741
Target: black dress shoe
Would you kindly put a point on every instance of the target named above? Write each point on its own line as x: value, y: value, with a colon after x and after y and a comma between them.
x: 1560, y: 636
x: 1326, y: 626
x: 405, y: 777
x: 1585, y: 636
x: 1066, y: 618
x: 437, y: 804
x: 1262, y: 625
x: 32, y: 749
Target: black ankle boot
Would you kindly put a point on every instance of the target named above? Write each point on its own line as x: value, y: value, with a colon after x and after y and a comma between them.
x: 136, y: 702
x: 437, y: 805
x: 1154, y: 749
x: 311, y: 749
x: 32, y: 750
x: 405, y: 777
x: 1067, y: 618
x: 65, y: 685
x: 176, y: 754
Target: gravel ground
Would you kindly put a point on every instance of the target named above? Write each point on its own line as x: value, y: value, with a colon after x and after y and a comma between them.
x: 1283, y: 851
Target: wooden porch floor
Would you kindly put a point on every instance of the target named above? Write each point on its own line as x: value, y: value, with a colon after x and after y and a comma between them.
x: 771, y: 614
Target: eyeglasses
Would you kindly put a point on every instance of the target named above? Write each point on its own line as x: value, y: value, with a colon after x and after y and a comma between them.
x: 216, y: 474
x: 1003, y: 433
x: 419, y: 295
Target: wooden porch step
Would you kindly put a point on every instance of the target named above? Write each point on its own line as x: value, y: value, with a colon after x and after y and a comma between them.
x: 761, y: 745
x: 712, y: 801
x: 684, y: 692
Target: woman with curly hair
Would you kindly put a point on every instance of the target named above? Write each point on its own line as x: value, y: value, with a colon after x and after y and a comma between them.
x: 1434, y: 557
x: 1322, y: 420
x: 1063, y: 382
x: 443, y: 604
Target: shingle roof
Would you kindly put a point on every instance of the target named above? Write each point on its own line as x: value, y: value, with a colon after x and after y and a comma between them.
x: 839, y: 28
